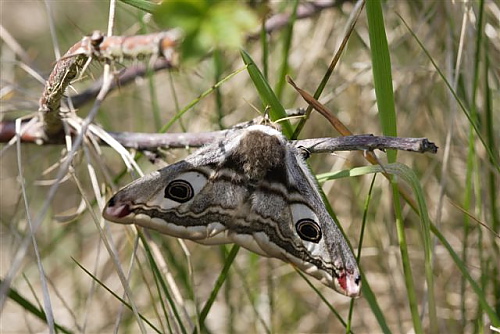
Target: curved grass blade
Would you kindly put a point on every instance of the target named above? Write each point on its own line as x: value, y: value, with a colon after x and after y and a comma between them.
x: 218, y: 284
x: 409, y: 176
x: 198, y: 99
x: 123, y: 301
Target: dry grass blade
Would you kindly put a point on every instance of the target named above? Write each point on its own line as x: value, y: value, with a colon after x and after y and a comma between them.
x: 471, y: 216
x: 334, y: 121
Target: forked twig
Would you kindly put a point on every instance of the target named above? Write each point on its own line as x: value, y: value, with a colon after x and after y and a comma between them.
x: 105, y: 49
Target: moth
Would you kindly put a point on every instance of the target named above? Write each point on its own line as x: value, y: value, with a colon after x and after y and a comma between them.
x: 253, y: 188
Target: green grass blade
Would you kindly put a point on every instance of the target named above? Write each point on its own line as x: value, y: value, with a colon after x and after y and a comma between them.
x: 154, y: 291
x: 265, y: 50
x: 219, y: 101
x: 218, y: 284
x: 492, y: 178
x: 409, y: 176
x: 494, y: 317
x: 381, y: 65
x: 328, y: 73
x: 123, y: 301
x: 467, y: 114
x: 266, y: 94
x: 369, y: 296
x: 163, y: 284
x: 155, y: 107
x: 323, y: 298
x: 32, y: 309
x: 360, y: 244
x: 405, y: 259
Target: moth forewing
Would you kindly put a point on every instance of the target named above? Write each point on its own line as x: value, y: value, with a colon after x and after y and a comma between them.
x: 252, y: 188
x: 337, y: 267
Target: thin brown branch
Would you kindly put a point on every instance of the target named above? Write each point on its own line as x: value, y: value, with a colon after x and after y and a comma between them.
x: 368, y: 143
x: 125, y: 77
x: 151, y: 141
x: 305, y: 10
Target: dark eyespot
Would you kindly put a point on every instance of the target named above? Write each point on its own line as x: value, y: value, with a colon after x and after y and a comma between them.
x: 308, y: 230
x: 179, y: 190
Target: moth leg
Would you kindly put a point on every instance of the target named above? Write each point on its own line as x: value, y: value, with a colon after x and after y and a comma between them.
x: 304, y: 152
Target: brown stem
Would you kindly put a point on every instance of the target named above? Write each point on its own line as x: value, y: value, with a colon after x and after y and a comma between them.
x: 125, y: 77
x: 304, y: 10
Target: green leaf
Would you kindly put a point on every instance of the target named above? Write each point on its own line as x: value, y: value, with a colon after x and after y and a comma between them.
x: 144, y: 5
x: 207, y: 24
x: 185, y: 14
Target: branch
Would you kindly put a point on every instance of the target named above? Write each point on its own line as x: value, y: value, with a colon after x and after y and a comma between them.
x: 151, y: 141
x: 125, y: 77
x: 367, y: 143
